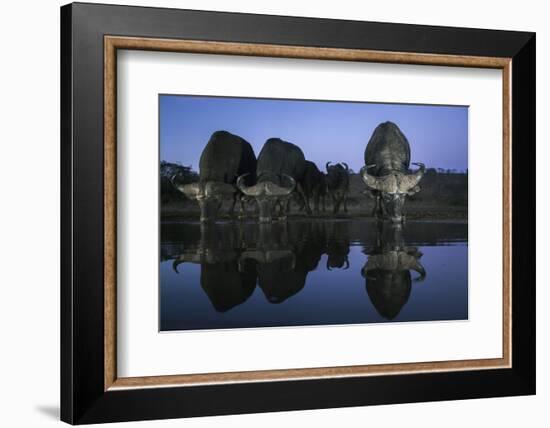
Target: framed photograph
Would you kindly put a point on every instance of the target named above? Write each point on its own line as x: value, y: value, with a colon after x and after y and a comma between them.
x: 266, y: 213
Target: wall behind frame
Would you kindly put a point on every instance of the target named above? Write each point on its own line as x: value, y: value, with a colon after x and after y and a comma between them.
x: 29, y: 230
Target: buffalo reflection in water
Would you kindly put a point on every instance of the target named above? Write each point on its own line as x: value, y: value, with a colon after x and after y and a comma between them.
x: 337, y: 245
x: 226, y: 283
x: 387, y: 271
x: 282, y: 264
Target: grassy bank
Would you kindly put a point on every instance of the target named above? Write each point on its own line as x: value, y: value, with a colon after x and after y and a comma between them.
x: 444, y: 195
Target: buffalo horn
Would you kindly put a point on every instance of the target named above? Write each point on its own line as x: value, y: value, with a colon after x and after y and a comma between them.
x: 411, y: 180
x: 276, y: 190
x: 248, y: 191
x: 370, y: 180
x: 417, y: 267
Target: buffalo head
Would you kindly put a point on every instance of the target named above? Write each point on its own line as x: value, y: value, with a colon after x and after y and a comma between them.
x: 208, y: 194
x: 393, y: 188
x: 267, y: 194
x: 335, y: 172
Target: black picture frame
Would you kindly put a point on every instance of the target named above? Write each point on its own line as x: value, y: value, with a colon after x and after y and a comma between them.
x: 83, y: 398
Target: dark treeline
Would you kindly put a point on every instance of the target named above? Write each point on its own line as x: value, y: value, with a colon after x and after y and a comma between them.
x: 185, y: 174
x: 444, y: 194
x: 443, y: 186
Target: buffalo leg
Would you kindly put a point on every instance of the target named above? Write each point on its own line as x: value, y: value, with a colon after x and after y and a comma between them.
x: 375, y: 212
x: 316, y: 202
x: 383, y: 213
x: 276, y: 209
x: 345, y: 197
x: 300, y: 202
x: 304, y: 203
x: 301, y: 192
x: 233, y: 202
x: 284, y: 208
x: 336, y: 200
x: 381, y: 209
x: 242, y: 200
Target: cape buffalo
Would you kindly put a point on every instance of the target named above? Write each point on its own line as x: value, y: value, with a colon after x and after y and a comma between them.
x: 386, y: 171
x: 315, y: 187
x: 338, y: 185
x: 279, y: 172
x: 225, y: 157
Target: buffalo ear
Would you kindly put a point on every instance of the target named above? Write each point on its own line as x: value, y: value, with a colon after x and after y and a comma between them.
x: 414, y: 190
x: 190, y: 190
x: 410, y: 181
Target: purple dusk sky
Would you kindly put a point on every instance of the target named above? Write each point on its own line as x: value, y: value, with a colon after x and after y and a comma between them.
x: 324, y: 130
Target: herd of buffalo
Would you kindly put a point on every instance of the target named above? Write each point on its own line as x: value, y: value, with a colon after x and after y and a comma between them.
x: 229, y: 169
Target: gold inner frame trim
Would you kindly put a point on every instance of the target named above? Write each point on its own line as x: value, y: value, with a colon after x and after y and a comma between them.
x: 113, y: 43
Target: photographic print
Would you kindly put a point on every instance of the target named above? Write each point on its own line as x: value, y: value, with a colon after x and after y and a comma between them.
x: 284, y: 212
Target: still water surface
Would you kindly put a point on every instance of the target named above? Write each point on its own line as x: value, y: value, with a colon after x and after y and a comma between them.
x: 311, y: 272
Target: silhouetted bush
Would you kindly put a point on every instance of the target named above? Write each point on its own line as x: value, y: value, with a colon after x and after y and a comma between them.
x: 183, y: 174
